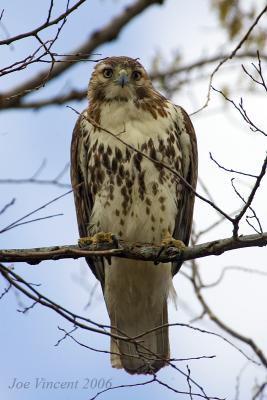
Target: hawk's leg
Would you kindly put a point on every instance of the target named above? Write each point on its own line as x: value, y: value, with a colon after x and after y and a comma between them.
x: 98, y: 238
x: 169, y: 241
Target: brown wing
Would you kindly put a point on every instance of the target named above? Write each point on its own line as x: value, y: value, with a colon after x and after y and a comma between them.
x: 82, y: 197
x: 184, y: 218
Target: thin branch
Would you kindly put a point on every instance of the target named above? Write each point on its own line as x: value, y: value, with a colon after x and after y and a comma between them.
x: 78, y: 321
x: 80, y: 94
x: 15, y: 223
x: 29, y: 291
x: 6, y: 206
x: 238, y: 379
x: 49, y: 11
x: 259, y: 71
x: 242, y: 111
x: 227, y: 269
x: 123, y: 386
x: 68, y: 335
x: 226, y: 328
x: 231, y: 170
x: 188, y: 377
x: 20, y: 65
x: 30, y: 221
x: 91, y: 295
x: 26, y: 309
x: 45, y: 25
x: 259, y: 390
x: 229, y: 57
x: 34, y: 179
x: 173, y: 70
x: 105, y: 34
x: 1, y: 14
x: 188, y: 382
x: 164, y: 384
x: 73, y: 95
x: 5, y: 291
x: 254, y: 215
x: 205, y: 189
x: 250, y: 198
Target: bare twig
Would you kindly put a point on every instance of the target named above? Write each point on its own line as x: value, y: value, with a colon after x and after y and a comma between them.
x: 80, y: 94
x: 231, y: 268
x: 238, y: 379
x: 34, y: 179
x: 261, y: 80
x: 240, y: 108
x: 231, y: 170
x: 171, y: 388
x: 123, y: 386
x: 250, y: 198
x: 220, y: 323
x: 37, y: 181
x: 45, y: 25
x: 188, y: 382
x: 79, y: 321
x: 5, y: 291
x: 254, y: 215
x: 229, y: 57
x: 6, y: 206
x: 16, y: 223
x: 105, y: 34
x: 259, y: 391
x: 30, y: 221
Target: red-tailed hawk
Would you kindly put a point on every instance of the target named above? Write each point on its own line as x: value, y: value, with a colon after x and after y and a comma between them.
x: 118, y: 190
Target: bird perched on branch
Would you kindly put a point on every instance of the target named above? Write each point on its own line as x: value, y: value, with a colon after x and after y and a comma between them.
x: 118, y: 188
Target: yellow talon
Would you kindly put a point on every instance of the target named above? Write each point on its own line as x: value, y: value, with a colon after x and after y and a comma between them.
x: 85, y: 241
x: 100, y: 237
x: 169, y: 241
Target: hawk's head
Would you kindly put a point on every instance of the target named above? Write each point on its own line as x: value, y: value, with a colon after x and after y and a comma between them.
x: 119, y: 78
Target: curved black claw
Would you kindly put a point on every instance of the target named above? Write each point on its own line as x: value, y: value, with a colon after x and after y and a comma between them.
x: 156, y: 261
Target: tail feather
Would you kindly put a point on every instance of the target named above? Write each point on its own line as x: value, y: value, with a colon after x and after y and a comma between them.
x: 149, y: 352
x: 136, y: 297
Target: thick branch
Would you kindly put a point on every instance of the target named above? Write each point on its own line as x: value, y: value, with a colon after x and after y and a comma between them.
x: 169, y: 72
x: 135, y: 251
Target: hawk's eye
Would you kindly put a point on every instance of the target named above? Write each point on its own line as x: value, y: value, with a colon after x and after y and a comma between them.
x: 107, y: 73
x: 136, y: 75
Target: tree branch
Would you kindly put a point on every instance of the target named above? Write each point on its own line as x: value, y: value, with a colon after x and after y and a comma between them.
x: 207, y: 310
x: 169, y: 72
x: 45, y: 25
x: 104, y: 35
x: 135, y: 251
x: 230, y: 56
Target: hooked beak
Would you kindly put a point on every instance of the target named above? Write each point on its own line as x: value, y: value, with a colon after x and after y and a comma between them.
x: 123, y: 78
